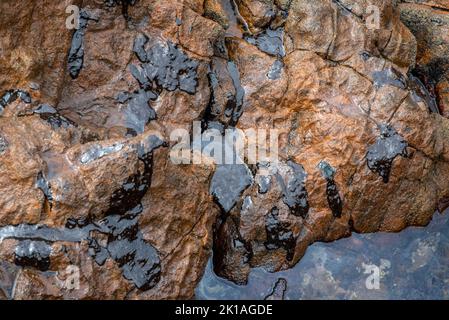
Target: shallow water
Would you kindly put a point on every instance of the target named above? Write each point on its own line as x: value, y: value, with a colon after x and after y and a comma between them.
x: 413, y: 264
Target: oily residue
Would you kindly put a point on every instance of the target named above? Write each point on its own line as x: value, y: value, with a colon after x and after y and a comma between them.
x: 133, y: 190
x: 239, y: 93
x: 263, y: 178
x: 125, y: 245
x: 35, y: 254
x: 387, y: 147
x: 43, y: 184
x: 138, y: 260
x: 278, y: 234
x: 125, y: 4
x: 76, y: 53
x: 228, y: 183
x: 12, y: 95
x: 164, y: 66
x: 421, y: 93
x: 270, y: 41
x: 390, y: 77
x: 138, y: 111
x: 332, y: 192
x: 48, y: 113
x: 294, y: 190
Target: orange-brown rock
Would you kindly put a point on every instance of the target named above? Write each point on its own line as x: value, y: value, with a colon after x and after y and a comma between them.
x: 86, y: 116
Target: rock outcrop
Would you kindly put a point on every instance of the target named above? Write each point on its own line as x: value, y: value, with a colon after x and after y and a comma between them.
x: 87, y: 180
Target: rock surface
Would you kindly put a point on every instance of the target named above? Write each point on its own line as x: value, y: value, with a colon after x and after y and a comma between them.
x: 86, y: 121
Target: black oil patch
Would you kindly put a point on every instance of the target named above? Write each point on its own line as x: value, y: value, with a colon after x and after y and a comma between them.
x: 132, y: 191
x: 49, y: 114
x: 35, y: 254
x: 278, y: 234
x: 12, y: 95
x: 387, y: 147
x: 76, y: 53
x: 164, y: 66
x: 228, y: 183
x: 271, y: 41
x: 239, y: 94
x: 332, y: 192
x: 421, y: 93
x: 138, y: 260
x: 294, y: 189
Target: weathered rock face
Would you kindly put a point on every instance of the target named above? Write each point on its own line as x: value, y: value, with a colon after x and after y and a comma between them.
x: 429, y: 22
x: 86, y: 178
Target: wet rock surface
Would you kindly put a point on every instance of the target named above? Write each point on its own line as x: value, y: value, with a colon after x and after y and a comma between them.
x: 86, y: 178
x: 411, y: 265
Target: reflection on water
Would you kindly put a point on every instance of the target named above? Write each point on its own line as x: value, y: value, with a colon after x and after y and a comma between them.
x: 412, y: 264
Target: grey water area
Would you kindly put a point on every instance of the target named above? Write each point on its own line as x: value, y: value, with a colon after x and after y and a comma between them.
x: 411, y: 264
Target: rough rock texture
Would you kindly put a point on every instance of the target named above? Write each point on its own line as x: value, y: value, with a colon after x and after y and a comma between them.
x: 85, y: 125
x: 429, y: 22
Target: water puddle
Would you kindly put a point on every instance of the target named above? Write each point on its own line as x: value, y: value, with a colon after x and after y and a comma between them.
x: 412, y: 264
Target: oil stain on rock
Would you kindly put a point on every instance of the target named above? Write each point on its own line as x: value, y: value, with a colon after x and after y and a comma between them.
x: 332, y: 192
x: 164, y: 66
x: 228, y: 183
x: 278, y: 234
x: 387, y: 147
x: 294, y: 190
x: 76, y: 53
x: 12, y: 95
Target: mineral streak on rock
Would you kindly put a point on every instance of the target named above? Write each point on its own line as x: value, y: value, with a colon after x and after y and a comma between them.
x: 294, y: 189
x: 278, y: 234
x: 35, y: 254
x: 332, y: 192
x: 381, y: 154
